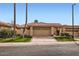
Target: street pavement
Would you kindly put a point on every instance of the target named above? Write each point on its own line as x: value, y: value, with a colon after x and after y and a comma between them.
x: 40, y: 47
x: 41, y: 50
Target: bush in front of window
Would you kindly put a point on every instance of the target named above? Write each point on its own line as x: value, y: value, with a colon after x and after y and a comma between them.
x: 6, y: 33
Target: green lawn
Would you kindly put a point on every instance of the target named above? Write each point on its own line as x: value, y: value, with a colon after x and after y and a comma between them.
x: 63, y: 38
x: 17, y: 39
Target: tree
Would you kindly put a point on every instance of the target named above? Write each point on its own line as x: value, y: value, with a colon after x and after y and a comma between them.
x: 14, y: 18
x: 25, y: 26
x: 36, y: 21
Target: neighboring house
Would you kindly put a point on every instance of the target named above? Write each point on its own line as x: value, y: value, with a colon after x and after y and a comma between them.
x: 9, y: 26
x: 4, y: 25
x: 68, y: 29
x: 42, y: 29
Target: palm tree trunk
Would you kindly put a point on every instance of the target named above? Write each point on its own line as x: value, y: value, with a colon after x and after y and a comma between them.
x: 25, y: 20
x: 14, y: 19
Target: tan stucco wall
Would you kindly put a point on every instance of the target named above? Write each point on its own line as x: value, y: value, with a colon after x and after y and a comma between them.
x: 4, y: 27
x: 42, y: 30
x: 20, y: 31
x: 70, y: 32
x: 31, y: 31
x: 53, y: 30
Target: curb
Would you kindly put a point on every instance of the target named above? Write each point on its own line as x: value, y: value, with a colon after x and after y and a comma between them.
x: 35, y: 43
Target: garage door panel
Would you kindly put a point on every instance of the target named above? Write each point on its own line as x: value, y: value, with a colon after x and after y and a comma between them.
x: 41, y: 32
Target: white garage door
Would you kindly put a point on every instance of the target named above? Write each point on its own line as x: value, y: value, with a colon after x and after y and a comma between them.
x: 41, y: 31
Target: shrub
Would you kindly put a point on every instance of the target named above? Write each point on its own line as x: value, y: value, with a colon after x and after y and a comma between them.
x: 27, y: 36
x: 63, y: 38
x: 64, y: 34
x: 3, y: 34
x: 6, y: 33
x: 18, y: 35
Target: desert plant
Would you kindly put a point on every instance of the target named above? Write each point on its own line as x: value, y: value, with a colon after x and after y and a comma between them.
x: 6, y: 33
x: 65, y: 34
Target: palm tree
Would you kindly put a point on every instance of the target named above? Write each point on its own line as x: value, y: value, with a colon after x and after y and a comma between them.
x: 25, y: 26
x: 14, y: 18
x: 73, y: 5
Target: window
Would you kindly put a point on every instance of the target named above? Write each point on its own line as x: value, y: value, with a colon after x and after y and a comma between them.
x: 70, y: 29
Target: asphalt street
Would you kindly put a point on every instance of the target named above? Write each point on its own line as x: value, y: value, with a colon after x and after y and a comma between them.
x: 40, y: 50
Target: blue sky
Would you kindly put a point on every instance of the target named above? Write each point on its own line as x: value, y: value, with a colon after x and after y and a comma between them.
x: 43, y: 12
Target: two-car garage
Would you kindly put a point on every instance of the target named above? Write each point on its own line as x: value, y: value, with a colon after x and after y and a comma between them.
x: 41, y: 31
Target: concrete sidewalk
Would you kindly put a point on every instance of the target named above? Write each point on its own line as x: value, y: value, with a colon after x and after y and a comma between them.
x: 37, y: 43
x: 43, y: 39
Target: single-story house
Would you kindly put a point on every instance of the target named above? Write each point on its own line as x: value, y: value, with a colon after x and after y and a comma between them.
x: 42, y: 29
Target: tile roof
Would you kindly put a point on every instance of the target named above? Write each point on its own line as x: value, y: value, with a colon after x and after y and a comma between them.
x: 77, y: 26
x: 37, y: 24
x: 5, y: 24
x: 32, y: 24
x: 44, y: 24
x: 8, y: 24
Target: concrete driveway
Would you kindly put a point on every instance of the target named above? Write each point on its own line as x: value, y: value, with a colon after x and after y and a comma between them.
x: 43, y: 39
